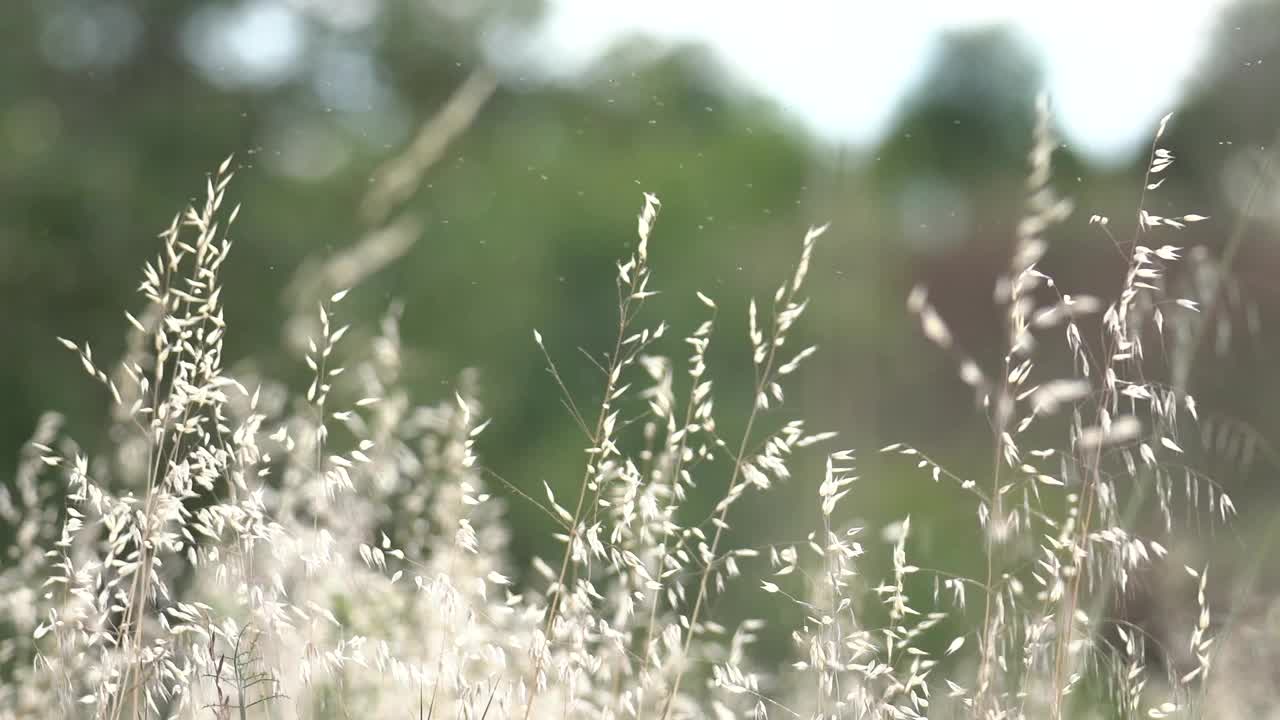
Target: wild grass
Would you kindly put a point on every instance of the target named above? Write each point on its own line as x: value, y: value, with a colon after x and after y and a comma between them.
x: 248, y: 549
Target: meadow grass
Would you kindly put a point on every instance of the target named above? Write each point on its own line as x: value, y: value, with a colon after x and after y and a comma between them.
x: 249, y: 549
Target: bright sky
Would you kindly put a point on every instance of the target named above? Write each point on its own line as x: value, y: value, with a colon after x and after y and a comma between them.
x: 842, y: 67
x: 1113, y: 67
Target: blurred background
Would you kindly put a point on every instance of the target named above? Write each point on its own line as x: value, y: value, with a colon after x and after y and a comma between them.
x: 906, y: 126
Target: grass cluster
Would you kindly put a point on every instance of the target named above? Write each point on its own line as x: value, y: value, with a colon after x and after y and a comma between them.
x: 246, y: 549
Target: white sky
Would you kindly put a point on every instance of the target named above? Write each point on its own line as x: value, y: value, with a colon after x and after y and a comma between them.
x: 841, y: 67
x: 1113, y: 67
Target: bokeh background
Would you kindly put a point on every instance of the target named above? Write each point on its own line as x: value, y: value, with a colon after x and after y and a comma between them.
x: 906, y: 125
